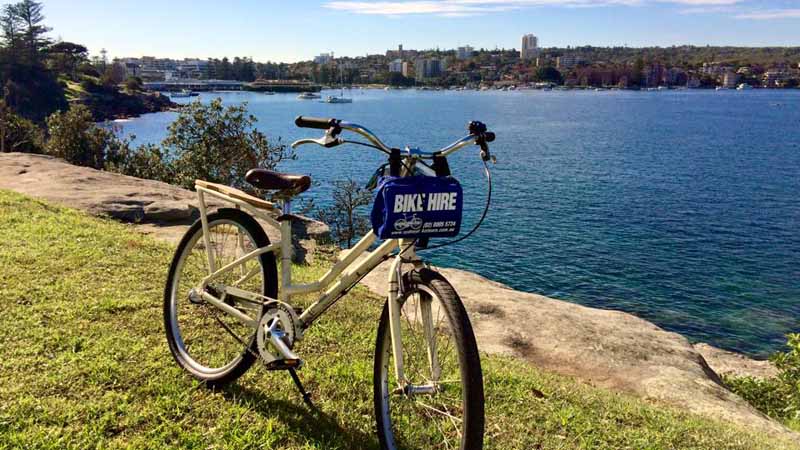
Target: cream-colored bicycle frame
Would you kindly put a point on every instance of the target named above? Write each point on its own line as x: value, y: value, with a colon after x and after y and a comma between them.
x: 341, y: 277
x: 330, y: 286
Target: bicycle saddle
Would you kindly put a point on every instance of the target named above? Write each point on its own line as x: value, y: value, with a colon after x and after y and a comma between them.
x: 269, y: 180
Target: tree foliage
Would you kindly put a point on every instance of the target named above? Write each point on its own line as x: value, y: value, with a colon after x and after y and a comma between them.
x: 219, y: 144
x: 777, y: 397
x: 75, y: 138
x: 31, y: 89
x: 18, y: 134
x: 551, y: 74
x: 66, y: 57
x: 346, y: 216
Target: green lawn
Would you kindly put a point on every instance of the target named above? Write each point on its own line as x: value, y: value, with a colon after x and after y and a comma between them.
x: 84, y: 364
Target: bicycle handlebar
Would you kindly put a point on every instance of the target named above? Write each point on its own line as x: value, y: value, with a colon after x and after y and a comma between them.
x: 478, y: 135
x: 318, y: 123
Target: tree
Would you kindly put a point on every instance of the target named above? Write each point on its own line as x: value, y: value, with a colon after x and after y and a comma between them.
x: 75, y: 138
x: 550, y: 74
x: 345, y: 216
x: 11, y: 26
x: 219, y: 144
x: 134, y: 84
x: 66, y: 57
x: 29, y: 14
x: 33, y: 92
x: 114, y: 74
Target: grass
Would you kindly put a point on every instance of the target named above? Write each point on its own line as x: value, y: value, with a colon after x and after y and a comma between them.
x: 84, y: 364
x: 73, y: 90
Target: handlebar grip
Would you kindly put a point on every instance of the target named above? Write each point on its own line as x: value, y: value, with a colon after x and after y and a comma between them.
x: 315, y: 122
x: 488, y: 136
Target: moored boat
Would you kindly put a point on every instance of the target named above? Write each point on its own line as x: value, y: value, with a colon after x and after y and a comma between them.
x: 308, y: 96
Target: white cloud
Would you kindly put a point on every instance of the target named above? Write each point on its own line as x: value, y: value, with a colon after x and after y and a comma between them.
x: 771, y: 14
x: 473, y: 7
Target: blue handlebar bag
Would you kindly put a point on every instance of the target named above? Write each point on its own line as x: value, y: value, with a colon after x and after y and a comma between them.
x: 417, y: 207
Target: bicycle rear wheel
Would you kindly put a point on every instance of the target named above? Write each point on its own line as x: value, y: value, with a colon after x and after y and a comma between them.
x: 211, y: 345
x: 444, y: 361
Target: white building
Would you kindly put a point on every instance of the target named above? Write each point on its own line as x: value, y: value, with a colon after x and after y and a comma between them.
x: 530, y: 47
x: 324, y: 58
x: 566, y: 62
x: 396, y: 66
x: 408, y: 69
x: 730, y: 79
x: 464, y: 52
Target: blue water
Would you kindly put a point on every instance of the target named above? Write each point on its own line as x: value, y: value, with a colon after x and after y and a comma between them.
x: 681, y: 207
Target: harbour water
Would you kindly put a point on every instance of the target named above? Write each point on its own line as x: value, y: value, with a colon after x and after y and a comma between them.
x: 681, y: 207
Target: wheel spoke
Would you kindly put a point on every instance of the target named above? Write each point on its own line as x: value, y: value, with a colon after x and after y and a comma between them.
x: 199, y: 329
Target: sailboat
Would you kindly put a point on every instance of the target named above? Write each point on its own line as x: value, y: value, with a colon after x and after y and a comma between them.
x: 341, y: 98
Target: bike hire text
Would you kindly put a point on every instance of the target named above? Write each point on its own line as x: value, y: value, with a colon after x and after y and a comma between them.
x: 439, y: 201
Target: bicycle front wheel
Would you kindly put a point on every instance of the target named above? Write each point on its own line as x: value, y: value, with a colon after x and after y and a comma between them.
x: 440, y: 403
x: 211, y: 345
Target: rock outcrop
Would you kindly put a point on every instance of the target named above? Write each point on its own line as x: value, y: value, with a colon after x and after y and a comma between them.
x: 605, y: 348
x: 157, y: 208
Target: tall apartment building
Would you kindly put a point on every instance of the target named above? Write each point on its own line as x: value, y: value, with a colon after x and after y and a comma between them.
x: 530, y: 47
x: 428, y: 68
x: 396, y: 66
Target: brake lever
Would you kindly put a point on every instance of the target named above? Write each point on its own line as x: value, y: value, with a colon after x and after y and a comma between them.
x: 326, y: 141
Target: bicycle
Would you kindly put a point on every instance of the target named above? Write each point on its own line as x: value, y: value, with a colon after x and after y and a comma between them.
x: 223, y: 280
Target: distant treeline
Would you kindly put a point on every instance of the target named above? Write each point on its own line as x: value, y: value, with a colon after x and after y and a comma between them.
x: 684, y: 56
x: 245, y: 69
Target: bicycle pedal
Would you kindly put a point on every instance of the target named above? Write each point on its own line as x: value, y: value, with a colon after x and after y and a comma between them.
x: 284, y: 364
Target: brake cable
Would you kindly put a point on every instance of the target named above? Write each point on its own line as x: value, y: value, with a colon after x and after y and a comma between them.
x: 488, y: 174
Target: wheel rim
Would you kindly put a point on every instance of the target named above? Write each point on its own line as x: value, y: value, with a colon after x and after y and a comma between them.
x: 210, y: 342
x: 423, y: 421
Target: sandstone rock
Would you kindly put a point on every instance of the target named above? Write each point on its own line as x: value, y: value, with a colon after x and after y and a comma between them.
x: 605, y: 348
x: 162, y: 207
x: 729, y: 363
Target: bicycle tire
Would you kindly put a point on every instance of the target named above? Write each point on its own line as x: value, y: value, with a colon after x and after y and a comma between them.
x: 269, y: 274
x: 472, y: 429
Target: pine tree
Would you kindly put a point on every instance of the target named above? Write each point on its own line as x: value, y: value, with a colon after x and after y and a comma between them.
x: 33, y: 34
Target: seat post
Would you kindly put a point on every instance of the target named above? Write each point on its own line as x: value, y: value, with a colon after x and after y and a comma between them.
x: 286, y: 247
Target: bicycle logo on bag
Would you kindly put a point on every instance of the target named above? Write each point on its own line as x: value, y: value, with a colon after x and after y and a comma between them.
x: 403, y: 224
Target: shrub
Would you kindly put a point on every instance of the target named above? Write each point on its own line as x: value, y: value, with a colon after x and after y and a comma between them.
x: 146, y: 161
x: 75, y: 138
x: 777, y: 397
x: 219, y: 144
x: 18, y: 134
x: 134, y: 84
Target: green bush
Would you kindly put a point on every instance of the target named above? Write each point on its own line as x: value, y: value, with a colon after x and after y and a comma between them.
x: 146, y: 161
x: 77, y: 139
x: 208, y: 142
x: 219, y: 144
x: 777, y: 397
x: 18, y: 134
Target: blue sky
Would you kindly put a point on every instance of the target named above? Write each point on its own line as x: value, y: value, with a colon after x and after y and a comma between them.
x: 280, y: 30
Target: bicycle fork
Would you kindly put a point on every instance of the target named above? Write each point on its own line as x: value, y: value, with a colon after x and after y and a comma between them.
x: 395, y: 299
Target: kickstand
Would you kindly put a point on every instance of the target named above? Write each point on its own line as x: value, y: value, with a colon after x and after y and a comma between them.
x: 299, y: 384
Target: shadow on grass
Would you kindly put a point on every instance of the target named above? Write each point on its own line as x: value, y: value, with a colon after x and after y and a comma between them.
x: 313, y: 424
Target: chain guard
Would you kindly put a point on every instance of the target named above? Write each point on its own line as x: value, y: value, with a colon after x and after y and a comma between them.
x: 287, y: 320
